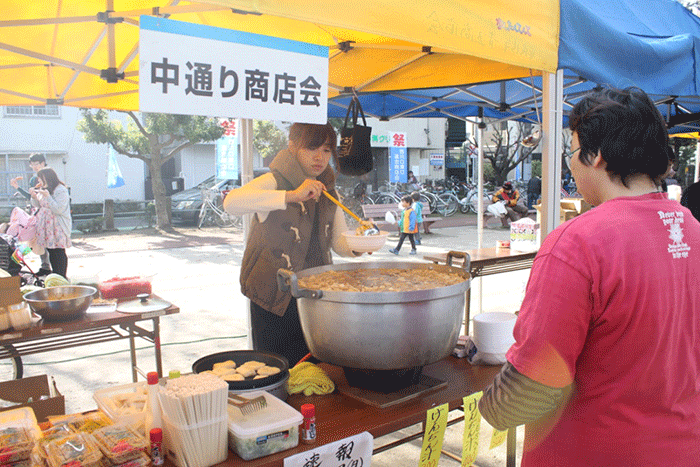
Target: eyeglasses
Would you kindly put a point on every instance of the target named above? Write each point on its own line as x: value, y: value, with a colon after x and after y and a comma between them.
x: 570, y: 154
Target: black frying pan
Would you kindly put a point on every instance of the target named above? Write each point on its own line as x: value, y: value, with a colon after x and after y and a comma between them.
x: 240, y: 357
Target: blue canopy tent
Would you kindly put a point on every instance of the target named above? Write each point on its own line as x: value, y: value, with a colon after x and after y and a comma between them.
x: 650, y: 44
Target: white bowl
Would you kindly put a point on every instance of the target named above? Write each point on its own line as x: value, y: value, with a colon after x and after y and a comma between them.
x: 365, y: 243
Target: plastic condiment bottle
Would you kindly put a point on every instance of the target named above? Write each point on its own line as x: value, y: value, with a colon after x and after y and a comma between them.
x: 153, y: 415
x: 308, y: 425
x: 157, y: 454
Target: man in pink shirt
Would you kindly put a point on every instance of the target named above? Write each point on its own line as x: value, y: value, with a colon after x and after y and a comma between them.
x: 605, y: 370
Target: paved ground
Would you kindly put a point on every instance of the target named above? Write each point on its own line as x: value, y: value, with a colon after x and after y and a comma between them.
x: 198, y: 270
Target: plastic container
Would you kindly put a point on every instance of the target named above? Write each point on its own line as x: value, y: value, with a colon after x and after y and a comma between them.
x: 19, y: 315
x: 78, y: 448
x: 51, y: 434
x: 125, y: 404
x: 120, y: 443
x: 87, y: 423
x: 141, y: 461
x: 125, y: 287
x: 272, y: 429
x: 16, y: 444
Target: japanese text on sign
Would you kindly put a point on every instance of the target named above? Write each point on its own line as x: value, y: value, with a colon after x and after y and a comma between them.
x: 200, y: 70
x: 398, y: 158
x: 355, y: 451
x: 437, y: 159
x: 227, y: 150
x: 435, y: 424
x: 472, y: 424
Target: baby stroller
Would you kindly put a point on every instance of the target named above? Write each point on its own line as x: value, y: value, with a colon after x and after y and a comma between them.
x: 12, y: 260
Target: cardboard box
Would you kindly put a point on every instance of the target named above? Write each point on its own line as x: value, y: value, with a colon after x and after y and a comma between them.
x: 9, y: 291
x: 35, y: 387
x: 565, y: 214
x: 577, y: 204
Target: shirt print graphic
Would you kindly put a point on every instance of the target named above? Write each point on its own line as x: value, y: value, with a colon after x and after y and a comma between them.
x: 674, y: 221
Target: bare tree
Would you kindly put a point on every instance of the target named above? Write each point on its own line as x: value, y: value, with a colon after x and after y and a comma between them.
x: 506, y: 151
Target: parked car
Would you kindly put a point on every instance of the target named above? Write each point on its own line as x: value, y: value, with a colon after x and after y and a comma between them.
x: 186, y: 204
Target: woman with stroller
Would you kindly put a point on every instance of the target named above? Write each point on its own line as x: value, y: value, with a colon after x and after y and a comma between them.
x: 54, y: 223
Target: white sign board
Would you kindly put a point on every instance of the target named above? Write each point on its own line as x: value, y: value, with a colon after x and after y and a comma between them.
x: 194, y: 69
x: 437, y: 158
x: 354, y: 451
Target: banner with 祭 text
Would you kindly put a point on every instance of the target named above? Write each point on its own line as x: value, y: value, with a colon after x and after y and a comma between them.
x: 398, y: 158
x: 193, y: 69
x: 227, y: 150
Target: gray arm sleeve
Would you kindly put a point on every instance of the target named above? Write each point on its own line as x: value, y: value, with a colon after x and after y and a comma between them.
x: 24, y: 193
x: 514, y: 399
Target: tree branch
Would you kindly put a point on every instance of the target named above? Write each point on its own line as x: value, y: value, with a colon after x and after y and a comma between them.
x: 138, y: 123
x: 178, y: 149
x: 126, y: 153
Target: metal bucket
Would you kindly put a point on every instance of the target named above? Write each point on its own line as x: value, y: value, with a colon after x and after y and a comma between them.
x: 380, y: 330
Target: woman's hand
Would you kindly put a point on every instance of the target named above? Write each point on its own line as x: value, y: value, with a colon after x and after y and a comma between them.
x: 310, y: 189
x: 15, y: 182
x: 39, y: 193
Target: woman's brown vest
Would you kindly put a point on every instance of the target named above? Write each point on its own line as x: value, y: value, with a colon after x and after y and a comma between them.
x: 282, y: 241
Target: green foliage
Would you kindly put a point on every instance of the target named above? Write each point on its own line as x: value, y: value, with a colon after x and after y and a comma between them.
x: 149, y: 213
x: 91, y: 226
x: 536, y: 168
x: 268, y: 139
x: 170, y: 130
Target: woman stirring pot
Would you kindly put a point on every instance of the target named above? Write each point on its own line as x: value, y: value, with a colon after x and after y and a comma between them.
x: 294, y: 227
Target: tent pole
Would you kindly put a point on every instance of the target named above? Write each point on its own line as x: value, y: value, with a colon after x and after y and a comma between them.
x: 552, y: 121
x: 697, y: 162
x: 246, y: 141
x: 480, y: 202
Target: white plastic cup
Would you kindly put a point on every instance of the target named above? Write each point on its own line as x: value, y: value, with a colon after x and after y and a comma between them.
x: 493, y: 332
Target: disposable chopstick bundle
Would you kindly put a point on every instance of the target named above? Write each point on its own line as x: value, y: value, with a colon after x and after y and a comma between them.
x: 195, y: 415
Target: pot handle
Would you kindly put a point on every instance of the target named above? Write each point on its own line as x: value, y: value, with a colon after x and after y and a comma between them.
x: 287, y: 280
x: 459, y: 254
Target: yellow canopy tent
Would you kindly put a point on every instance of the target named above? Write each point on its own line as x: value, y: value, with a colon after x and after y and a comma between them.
x: 85, y: 53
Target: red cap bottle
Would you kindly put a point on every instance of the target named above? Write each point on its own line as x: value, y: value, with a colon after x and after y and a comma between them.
x: 157, y: 456
x: 308, y: 425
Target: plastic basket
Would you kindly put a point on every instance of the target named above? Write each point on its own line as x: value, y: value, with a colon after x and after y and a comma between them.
x: 128, y: 413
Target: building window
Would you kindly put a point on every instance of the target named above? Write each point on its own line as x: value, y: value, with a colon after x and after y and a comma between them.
x: 32, y: 111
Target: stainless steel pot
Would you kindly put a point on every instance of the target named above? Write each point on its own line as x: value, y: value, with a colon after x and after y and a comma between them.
x: 380, y: 330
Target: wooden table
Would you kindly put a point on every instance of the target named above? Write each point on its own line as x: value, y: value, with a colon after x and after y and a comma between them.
x: 484, y: 262
x: 339, y: 416
x: 93, y: 328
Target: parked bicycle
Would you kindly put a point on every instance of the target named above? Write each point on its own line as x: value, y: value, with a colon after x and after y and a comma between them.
x: 212, y: 211
x: 11, y: 366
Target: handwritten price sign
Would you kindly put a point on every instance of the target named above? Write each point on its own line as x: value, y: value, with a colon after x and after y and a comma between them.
x: 497, y: 438
x: 472, y: 425
x: 435, y: 424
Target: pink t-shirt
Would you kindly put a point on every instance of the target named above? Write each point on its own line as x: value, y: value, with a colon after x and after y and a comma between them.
x: 613, y: 305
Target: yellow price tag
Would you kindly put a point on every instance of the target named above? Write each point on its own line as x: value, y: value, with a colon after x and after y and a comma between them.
x: 472, y: 426
x: 435, y: 424
x: 497, y: 438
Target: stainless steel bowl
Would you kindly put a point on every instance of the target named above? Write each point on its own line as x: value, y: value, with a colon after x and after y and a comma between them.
x: 380, y: 330
x: 62, y: 303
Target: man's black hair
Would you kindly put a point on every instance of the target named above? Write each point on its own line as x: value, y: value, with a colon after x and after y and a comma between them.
x: 36, y: 157
x: 627, y: 129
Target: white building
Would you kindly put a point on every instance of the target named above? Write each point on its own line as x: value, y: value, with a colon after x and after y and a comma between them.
x: 52, y: 131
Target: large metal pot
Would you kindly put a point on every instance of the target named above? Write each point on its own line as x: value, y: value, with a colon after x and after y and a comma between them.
x: 380, y: 330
